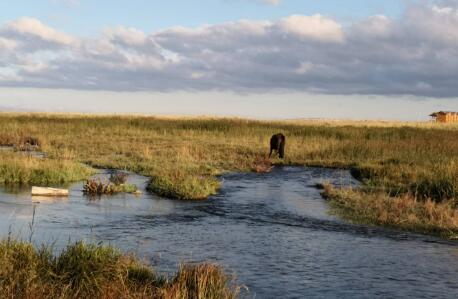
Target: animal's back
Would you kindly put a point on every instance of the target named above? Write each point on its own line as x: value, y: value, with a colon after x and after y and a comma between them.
x: 275, y: 141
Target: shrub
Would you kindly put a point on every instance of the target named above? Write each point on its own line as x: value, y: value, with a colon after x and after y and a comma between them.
x: 97, y: 188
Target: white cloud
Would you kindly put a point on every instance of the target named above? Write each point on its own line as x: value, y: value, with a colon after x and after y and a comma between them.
x: 27, y: 26
x: 316, y: 27
x: 416, y: 54
x: 129, y: 36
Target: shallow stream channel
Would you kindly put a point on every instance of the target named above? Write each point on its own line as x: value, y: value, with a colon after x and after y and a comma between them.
x: 273, y: 231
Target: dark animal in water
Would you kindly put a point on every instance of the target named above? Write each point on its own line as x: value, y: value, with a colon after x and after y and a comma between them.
x: 277, y: 143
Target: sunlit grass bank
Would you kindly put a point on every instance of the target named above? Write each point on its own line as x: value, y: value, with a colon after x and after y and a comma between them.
x: 184, y: 156
x: 403, y: 212
x: 90, y: 271
x: 18, y: 169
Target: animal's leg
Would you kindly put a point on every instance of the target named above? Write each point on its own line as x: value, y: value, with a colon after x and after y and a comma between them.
x: 281, y: 152
x: 282, y: 146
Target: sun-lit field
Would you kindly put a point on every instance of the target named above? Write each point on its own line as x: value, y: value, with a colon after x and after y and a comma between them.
x: 374, y: 123
x: 110, y: 141
x: 184, y: 156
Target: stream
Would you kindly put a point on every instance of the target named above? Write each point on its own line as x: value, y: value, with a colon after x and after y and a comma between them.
x: 273, y: 231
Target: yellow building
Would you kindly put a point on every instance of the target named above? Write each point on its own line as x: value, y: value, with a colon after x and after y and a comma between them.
x: 445, y: 116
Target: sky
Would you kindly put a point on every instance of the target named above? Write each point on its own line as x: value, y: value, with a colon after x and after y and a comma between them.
x: 353, y: 59
x: 85, y: 17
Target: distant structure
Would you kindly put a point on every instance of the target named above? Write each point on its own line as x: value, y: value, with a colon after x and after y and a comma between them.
x: 445, y: 116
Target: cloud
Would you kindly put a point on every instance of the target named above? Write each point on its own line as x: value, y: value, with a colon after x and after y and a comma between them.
x: 29, y: 28
x: 416, y: 54
x: 316, y: 27
x: 129, y: 36
x: 8, y: 44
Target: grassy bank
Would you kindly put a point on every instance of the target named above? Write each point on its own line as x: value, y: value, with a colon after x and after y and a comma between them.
x: 20, y: 169
x: 404, y: 212
x: 90, y: 271
x: 184, y: 155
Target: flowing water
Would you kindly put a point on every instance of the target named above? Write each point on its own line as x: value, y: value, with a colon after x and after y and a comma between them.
x: 272, y: 230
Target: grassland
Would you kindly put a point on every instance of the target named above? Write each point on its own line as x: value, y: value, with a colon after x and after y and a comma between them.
x: 183, y: 156
x: 90, y: 271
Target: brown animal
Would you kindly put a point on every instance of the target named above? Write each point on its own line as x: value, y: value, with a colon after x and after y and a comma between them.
x: 277, y: 144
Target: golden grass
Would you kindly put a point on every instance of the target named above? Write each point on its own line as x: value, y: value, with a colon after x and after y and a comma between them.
x: 21, y: 169
x: 90, y: 271
x: 200, y: 281
x: 372, y: 123
x: 184, y: 156
x: 402, y: 212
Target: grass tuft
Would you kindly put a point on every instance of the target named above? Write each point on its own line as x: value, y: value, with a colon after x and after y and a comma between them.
x: 189, y: 187
x: 201, y: 281
x: 97, y: 188
x: 91, y: 271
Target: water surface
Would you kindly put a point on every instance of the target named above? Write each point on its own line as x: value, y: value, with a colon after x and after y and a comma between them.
x: 272, y: 230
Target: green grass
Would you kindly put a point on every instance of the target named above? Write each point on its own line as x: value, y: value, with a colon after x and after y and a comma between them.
x: 402, y: 212
x: 185, y: 156
x: 92, y: 271
x: 17, y: 169
x: 184, y: 186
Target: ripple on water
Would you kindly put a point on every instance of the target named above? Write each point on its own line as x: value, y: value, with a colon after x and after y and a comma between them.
x: 273, y: 230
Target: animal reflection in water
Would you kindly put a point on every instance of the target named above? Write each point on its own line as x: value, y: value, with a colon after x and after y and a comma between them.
x: 277, y: 144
